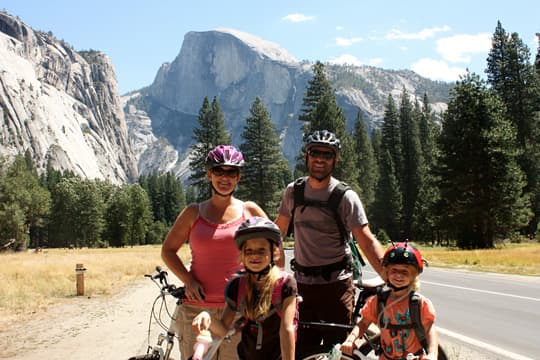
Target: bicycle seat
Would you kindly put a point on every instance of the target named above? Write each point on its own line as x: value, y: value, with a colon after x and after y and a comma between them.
x: 371, y: 283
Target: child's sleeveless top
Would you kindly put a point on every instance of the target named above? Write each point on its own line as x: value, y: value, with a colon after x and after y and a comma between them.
x: 214, y: 257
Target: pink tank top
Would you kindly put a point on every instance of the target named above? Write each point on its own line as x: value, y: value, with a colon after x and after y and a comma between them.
x: 214, y: 257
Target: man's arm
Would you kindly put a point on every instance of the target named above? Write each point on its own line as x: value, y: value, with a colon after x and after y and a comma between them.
x: 370, y: 246
x: 283, y: 224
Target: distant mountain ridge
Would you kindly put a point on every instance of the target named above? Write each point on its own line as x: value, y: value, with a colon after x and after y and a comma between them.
x: 236, y: 67
x: 64, y: 107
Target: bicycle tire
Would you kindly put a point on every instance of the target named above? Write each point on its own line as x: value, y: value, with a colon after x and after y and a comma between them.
x: 367, y: 349
x: 324, y: 356
x: 145, y: 357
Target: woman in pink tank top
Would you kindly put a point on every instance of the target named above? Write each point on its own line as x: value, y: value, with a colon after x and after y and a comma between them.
x: 209, y: 226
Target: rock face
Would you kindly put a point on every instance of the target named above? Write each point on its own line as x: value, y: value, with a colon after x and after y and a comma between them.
x: 236, y: 67
x: 61, y: 105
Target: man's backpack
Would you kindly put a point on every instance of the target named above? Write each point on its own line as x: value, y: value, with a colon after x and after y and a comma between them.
x: 277, y: 305
x: 414, y: 309
x: 333, y: 204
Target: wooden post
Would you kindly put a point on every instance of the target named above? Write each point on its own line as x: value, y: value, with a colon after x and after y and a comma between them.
x: 79, y: 270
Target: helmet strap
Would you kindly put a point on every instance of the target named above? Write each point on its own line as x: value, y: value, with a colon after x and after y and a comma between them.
x: 395, y: 288
x: 261, y: 273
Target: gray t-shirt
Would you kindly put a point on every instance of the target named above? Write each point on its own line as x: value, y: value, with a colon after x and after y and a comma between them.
x: 317, y: 240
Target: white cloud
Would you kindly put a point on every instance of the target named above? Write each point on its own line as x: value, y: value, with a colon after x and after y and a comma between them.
x: 339, y: 28
x: 297, y: 18
x: 437, y: 70
x: 347, y: 42
x: 346, y: 59
x: 424, y: 34
x: 460, y: 47
x: 375, y: 61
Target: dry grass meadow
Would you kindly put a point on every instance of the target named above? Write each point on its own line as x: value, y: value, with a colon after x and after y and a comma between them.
x: 37, y: 280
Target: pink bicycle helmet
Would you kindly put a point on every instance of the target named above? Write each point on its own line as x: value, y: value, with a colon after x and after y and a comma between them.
x: 224, y: 155
x: 257, y: 227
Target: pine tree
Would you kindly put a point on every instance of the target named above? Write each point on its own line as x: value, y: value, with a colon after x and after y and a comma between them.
x: 388, y: 200
x: 366, y: 162
x: 481, y: 183
x: 267, y: 172
x: 388, y: 196
x: 515, y: 81
x: 425, y: 215
x: 210, y: 133
x: 318, y: 86
x: 411, y: 169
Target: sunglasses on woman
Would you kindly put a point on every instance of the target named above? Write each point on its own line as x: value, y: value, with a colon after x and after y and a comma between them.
x: 231, y: 173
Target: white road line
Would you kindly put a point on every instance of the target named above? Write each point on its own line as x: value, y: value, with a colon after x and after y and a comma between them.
x: 482, y: 291
x: 483, y: 345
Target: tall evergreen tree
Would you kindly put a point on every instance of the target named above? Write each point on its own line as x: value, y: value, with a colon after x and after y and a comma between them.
x: 366, y: 163
x: 515, y: 81
x: 425, y: 215
x: 210, y: 133
x: 267, y: 172
x: 411, y: 169
x: 481, y: 183
x: 318, y: 86
x: 388, y: 194
x: 391, y: 135
x: 388, y: 200
x: 24, y: 204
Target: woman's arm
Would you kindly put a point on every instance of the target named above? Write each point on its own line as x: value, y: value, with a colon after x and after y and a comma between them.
x: 286, y: 330
x: 358, y: 331
x: 177, y: 236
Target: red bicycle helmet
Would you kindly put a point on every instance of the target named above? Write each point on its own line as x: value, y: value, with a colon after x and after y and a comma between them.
x: 224, y: 155
x: 257, y: 227
x: 405, y: 254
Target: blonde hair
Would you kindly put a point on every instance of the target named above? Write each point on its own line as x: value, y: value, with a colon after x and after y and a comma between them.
x: 415, y: 283
x: 258, y: 302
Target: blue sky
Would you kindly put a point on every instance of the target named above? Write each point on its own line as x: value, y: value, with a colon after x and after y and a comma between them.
x: 437, y: 39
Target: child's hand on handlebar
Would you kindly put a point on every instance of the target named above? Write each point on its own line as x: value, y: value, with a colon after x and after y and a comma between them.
x: 347, y: 347
x: 201, y: 322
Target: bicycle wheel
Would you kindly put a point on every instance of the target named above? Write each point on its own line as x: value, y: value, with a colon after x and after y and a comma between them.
x: 325, y: 356
x: 145, y: 357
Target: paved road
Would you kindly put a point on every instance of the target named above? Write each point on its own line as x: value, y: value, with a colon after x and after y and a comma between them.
x: 492, y: 314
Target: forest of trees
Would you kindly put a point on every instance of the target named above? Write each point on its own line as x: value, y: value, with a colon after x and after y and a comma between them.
x: 468, y: 178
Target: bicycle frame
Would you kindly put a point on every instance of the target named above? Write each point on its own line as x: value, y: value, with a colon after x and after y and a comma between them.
x: 165, y: 342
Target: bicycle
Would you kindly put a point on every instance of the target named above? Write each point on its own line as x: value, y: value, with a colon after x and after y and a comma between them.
x: 165, y: 342
x: 369, y: 347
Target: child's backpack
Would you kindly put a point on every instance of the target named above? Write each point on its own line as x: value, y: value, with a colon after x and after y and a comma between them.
x: 333, y: 204
x: 277, y: 305
x: 414, y: 309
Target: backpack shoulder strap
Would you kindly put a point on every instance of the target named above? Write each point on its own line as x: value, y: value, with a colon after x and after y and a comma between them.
x: 241, y: 295
x: 333, y: 204
x: 382, y: 296
x: 414, y: 308
x: 277, y: 298
x: 298, y: 199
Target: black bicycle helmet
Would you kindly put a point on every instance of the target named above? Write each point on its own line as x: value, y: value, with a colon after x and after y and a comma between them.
x: 322, y: 138
x: 224, y: 155
x: 257, y: 227
x: 405, y: 254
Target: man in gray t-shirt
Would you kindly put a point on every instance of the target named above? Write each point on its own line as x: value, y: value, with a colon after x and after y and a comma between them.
x: 320, y: 254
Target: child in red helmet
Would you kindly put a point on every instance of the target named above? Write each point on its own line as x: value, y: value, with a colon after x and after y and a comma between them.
x: 390, y: 310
